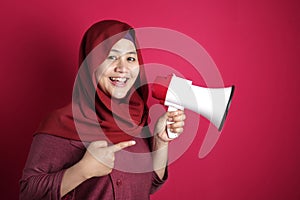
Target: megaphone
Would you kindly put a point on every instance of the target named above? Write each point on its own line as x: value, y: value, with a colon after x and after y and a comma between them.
x: 178, y: 93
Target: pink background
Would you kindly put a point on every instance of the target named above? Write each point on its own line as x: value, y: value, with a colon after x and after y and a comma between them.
x: 255, y: 45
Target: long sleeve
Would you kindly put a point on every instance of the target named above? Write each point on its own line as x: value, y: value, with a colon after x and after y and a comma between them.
x: 157, y: 182
x: 44, y: 169
x: 50, y: 156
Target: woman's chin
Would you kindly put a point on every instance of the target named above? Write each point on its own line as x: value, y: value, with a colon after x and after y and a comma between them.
x: 119, y: 95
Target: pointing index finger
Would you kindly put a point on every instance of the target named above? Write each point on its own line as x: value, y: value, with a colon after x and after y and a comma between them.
x: 122, y: 145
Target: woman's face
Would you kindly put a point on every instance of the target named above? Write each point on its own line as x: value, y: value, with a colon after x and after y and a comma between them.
x: 118, y: 72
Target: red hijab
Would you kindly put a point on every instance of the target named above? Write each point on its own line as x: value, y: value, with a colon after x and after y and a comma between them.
x: 92, y: 115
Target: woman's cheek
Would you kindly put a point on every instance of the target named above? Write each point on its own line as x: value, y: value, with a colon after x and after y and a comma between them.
x: 135, y: 72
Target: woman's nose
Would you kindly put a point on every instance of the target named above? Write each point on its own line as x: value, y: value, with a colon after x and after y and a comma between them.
x: 121, y: 66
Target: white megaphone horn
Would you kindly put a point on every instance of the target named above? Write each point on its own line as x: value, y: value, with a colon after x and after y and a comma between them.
x: 178, y: 93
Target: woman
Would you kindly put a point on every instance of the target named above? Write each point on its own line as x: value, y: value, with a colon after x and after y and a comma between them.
x: 90, y: 149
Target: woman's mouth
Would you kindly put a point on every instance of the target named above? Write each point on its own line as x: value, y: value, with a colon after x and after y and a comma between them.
x: 118, y: 81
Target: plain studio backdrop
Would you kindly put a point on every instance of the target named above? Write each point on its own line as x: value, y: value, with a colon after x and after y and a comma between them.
x: 255, y: 45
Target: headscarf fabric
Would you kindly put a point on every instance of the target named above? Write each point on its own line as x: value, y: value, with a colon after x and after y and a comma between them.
x: 93, y: 115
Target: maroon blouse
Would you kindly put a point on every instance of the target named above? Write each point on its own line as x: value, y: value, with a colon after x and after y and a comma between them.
x: 50, y: 156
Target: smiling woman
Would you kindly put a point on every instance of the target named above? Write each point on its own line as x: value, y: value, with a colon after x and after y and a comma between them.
x: 117, y: 74
x: 76, y: 152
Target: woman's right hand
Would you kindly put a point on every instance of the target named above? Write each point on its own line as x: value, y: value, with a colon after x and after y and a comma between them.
x: 99, y: 158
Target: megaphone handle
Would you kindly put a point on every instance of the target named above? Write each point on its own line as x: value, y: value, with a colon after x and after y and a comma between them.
x: 171, y: 135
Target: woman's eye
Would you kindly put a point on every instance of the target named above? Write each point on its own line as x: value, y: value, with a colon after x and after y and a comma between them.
x: 112, y: 57
x: 131, y: 59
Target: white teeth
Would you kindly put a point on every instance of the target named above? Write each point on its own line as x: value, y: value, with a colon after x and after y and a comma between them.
x: 119, y: 79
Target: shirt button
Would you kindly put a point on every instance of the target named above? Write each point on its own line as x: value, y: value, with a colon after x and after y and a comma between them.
x: 119, y: 182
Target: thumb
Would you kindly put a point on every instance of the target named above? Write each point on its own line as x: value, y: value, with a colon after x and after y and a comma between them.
x: 164, y: 117
x: 161, y: 123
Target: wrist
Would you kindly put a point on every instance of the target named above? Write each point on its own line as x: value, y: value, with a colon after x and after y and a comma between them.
x: 82, y: 170
x: 159, y: 143
x: 73, y: 176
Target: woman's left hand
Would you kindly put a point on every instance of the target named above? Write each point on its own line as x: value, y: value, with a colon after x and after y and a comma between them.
x: 161, y: 140
x: 177, y: 118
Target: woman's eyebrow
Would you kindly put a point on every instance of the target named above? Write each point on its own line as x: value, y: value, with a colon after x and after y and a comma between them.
x: 118, y: 51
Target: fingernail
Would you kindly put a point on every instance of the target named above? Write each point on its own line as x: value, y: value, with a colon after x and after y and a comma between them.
x: 132, y: 142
